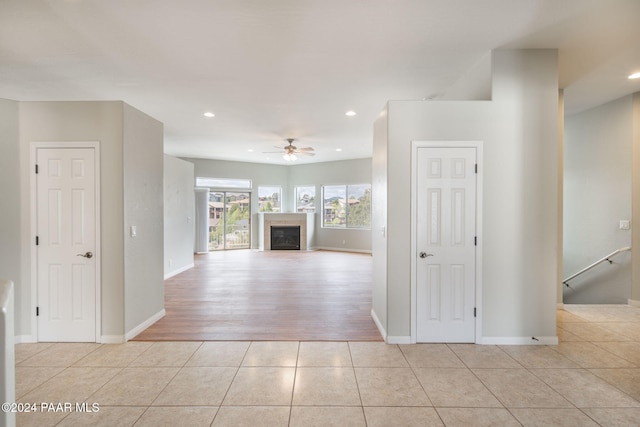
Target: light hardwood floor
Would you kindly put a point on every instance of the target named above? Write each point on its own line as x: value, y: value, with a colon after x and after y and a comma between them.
x: 270, y: 295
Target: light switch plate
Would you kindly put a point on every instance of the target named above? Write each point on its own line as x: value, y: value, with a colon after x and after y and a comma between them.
x: 625, y: 224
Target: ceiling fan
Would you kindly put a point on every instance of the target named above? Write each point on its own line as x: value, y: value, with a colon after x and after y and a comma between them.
x: 291, y: 152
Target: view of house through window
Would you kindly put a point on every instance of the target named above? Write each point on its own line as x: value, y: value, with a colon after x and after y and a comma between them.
x: 346, y: 206
x: 306, y: 199
x: 229, y: 225
x: 269, y: 198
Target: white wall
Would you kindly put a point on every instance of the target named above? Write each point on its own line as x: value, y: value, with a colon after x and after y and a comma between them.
x: 597, y: 195
x: 287, y: 177
x: 519, y: 233
x: 179, y: 215
x: 143, y: 208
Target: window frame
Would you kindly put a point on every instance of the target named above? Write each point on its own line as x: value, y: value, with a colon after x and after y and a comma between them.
x: 279, y: 188
x: 297, y: 199
x: 346, y: 225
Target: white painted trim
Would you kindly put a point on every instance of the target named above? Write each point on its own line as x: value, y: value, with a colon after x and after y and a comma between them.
x: 478, y: 145
x: 327, y: 248
x: 519, y: 341
x: 178, y: 271
x: 144, y: 325
x: 113, y: 339
x: 19, y: 339
x: 34, y: 226
x: 379, y: 325
x: 400, y: 339
x: 633, y: 303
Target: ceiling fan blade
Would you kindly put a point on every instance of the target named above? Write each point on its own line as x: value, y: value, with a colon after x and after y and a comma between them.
x: 305, y: 149
x: 304, y: 153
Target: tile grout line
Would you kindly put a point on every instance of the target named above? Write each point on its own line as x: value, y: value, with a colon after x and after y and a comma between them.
x: 231, y: 382
x: 353, y: 368
x: 293, y: 388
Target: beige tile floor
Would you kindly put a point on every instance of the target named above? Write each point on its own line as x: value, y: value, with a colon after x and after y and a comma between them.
x: 591, y: 378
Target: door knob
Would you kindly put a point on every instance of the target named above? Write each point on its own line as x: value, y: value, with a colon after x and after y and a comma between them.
x: 424, y: 254
x: 87, y: 255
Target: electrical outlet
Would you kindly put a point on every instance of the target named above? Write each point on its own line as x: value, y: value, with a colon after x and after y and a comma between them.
x: 625, y: 224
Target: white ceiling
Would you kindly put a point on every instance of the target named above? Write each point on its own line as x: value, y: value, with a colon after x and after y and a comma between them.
x: 280, y: 69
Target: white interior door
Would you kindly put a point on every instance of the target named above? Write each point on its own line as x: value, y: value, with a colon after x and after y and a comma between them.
x: 66, y: 244
x: 446, y: 226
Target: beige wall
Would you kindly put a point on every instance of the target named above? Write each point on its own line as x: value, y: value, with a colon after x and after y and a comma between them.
x: 103, y: 122
x: 520, y: 195
x: 597, y: 195
x: 635, y: 190
x: 179, y: 215
x: 10, y: 214
x: 144, y: 208
x: 287, y: 177
x: 81, y: 121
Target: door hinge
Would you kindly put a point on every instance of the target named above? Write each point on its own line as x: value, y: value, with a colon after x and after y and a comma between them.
x: 475, y: 240
x: 37, y: 311
x: 474, y: 312
x: 476, y: 168
x: 37, y: 240
x: 36, y: 168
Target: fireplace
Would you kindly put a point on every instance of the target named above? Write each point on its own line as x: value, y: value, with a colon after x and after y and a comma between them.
x: 285, y: 237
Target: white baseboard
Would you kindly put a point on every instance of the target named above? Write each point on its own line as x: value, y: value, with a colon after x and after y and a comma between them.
x: 112, y: 339
x: 19, y: 339
x: 399, y: 339
x: 327, y: 248
x: 381, y: 328
x: 518, y: 340
x: 560, y: 306
x: 634, y: 303
x: 144, y: 325
x: 178, y: 271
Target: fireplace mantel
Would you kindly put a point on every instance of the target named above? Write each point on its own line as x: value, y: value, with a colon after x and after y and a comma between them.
x: 306, y: 221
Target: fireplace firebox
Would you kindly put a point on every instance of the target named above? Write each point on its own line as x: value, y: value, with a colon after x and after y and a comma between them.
x: 285, y: 237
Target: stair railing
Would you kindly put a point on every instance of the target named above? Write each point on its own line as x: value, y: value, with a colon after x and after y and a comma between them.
x: 600, y: 261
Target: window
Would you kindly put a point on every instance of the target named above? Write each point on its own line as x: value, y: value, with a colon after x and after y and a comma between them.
x: 269, y: 198
x: 306, y: 199
x: 346, y: 206
x: 223, y: 183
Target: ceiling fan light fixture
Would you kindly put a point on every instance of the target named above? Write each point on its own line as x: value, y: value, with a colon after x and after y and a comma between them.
x: 289, y: 157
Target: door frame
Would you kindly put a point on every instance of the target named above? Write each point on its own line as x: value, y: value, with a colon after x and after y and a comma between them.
x: 34, y: 146
x: 415, y: 145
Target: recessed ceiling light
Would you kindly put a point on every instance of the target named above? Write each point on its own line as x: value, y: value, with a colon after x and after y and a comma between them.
x: 635, y: 76
x: 209, y: 114
x: 250, y: 150
x: 338, y: 149
x: 350, y: 113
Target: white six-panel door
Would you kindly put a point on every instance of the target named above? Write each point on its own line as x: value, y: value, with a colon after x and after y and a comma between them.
x: 446, y: 252
x: 66, y: 249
